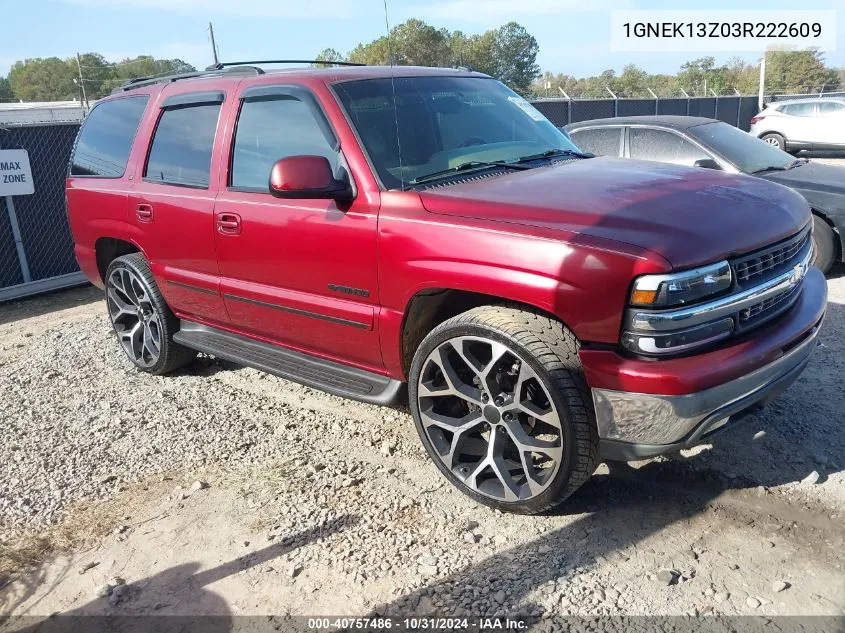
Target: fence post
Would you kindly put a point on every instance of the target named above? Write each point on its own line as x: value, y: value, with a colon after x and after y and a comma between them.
x: 656, y: 101
x: 615, y: 102
x: 716, y: 108
x: 16, y: 235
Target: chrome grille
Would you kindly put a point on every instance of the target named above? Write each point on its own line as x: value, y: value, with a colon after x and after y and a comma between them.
x: 768, y: 306
x: 770, y: 260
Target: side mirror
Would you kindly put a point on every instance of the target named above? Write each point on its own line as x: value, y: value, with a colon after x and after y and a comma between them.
x: 307, y: 177
x: 707, y: 163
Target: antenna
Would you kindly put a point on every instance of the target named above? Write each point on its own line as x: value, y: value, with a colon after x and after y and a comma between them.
x: 393, y: 88
x: 213, y: 43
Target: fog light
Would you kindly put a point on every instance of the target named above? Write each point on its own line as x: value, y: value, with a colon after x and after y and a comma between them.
x: 674, y: 342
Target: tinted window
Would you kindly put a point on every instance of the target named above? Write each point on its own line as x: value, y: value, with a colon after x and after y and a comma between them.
x: 272, y: 129
x: 664, y: 147
x: 106, y: 138
x: 416, y: 126
x: 181, y: 149
x: 601, y: 142
x: 747, y: 152
x: 799, y: 109
x: 830, y: 107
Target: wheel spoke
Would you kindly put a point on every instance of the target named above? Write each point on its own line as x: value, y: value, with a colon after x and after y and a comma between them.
x: 124, y: 308
x: 456, y: 386
x: 496, y: 460
x: 150, y: 344
x: 526, y: 443
x: 548, y: 416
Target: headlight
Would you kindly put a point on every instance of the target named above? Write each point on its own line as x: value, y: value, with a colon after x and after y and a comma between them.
x: 654, y: 294
x: 663, y: 291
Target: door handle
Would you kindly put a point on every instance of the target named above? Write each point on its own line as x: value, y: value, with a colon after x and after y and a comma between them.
x: 144, y: 212
x: 229, y: 223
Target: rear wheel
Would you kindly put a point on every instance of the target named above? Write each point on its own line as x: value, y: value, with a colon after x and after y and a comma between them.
x: 775, y: 139
x: 824, y: 240
x: 143, y: 322
x: 502, y: 407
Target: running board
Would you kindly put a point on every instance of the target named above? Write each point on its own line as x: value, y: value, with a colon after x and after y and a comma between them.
x: 337, y: 379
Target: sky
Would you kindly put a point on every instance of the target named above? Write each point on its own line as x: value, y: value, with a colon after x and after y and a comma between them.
x: 574, y: 35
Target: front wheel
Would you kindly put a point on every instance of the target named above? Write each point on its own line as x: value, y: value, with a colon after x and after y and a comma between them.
x: 825, y: 244
x: 502, y: 407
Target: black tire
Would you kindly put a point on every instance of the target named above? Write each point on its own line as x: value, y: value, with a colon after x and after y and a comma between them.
x: 775, y: 139
x: 171, y: 355
x: 824, y: 240
x: 551, y: 351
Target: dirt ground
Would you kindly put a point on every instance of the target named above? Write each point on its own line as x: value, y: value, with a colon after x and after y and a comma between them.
x: 221, y: 490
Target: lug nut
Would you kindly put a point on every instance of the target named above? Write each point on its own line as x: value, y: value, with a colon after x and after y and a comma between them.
x: 507, y: 416
x: 484, y: 397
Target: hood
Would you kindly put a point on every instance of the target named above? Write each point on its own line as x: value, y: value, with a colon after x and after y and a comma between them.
x: 689, y: 216
x: 814, y: 176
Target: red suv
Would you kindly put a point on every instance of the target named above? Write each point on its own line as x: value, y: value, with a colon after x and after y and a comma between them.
x: 359, y: 228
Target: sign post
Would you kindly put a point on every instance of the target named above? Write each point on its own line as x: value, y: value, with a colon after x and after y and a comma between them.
x: 16, y: 180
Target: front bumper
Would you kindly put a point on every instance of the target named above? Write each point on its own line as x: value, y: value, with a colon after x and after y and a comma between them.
x: 635, y: 425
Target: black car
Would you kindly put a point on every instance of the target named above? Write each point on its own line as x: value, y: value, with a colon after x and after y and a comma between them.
x: 700, y: 142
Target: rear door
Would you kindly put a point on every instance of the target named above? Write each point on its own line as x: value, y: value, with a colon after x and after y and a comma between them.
x: 300, y: 272
x: 831, y: 117
x: 800, y: 123
x: 601, y: 141
x: 172, y: 201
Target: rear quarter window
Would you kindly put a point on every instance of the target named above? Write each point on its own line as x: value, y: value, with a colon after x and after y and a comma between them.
x: 106, y: 138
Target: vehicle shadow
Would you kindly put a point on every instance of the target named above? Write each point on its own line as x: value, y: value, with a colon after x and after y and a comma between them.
x: 200, y: 609
x: 616, y: 513
x: 40, y: 305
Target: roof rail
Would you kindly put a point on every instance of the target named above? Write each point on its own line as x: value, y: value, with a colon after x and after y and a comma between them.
x: 222, y: 65
x: 140, y: 82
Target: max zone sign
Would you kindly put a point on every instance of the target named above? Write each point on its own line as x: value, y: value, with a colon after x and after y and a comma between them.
x: 15, y: 173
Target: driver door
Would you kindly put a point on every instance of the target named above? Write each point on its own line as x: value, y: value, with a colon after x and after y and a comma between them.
x: 299, y: 272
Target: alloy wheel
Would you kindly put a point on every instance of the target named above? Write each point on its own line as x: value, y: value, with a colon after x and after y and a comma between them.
x: 133, y: 316
x: 771, y: 140
x: 490, y: 419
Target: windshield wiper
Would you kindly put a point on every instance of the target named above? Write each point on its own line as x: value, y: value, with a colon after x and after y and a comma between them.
x: 472, y: 164
x: 551, y: 153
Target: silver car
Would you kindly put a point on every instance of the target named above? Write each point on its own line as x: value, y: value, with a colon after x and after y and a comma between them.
x: 817, y: 124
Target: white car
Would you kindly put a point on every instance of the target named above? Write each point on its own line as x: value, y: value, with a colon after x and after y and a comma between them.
x: 817, y: 124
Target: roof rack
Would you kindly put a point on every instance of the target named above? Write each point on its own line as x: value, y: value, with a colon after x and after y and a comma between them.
x: 222, y: 65
x: 140, y: 82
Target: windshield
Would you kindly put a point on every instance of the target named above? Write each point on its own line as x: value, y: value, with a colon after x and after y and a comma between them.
x: 441, y: 123
x: 748, y: 153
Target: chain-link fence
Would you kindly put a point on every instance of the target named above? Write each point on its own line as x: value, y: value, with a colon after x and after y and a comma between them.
x: 40, y: 219
x: 734, y: 110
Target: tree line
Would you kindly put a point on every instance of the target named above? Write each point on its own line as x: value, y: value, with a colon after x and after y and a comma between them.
x: 786, y: 72
x: 55, y: 79
x: 508, y: 53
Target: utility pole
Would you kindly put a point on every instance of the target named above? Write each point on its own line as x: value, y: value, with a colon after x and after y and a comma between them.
x: 81, y: 82
x: 762, y: 80
x: 213, y: 43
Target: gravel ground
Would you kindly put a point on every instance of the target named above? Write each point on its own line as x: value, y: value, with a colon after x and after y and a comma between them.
x: 357, y: 518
